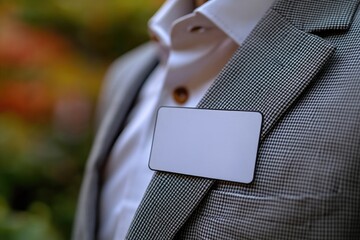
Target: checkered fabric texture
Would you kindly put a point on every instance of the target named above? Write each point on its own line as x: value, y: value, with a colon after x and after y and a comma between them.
x: 307, y: 175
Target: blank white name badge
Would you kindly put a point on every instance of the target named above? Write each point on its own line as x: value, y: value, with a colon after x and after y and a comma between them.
x: 216, y: 144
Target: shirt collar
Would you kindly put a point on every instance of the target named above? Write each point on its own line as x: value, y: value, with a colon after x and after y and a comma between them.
x: 161, y: 23
x: 236, y: 18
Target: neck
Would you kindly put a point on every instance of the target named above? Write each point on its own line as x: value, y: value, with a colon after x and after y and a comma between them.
x: 198, y: 3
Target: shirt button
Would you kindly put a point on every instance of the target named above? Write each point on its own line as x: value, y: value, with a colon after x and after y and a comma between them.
x: 180, y: 95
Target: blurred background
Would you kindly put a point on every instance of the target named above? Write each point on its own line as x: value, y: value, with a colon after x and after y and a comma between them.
x: 53, y: 56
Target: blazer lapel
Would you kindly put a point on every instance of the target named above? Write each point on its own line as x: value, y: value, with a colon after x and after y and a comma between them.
x: 134, y: 72
x: 267, y: 74
x: 112, y: 122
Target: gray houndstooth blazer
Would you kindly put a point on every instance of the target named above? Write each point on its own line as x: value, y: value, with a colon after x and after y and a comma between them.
x: 300, y: 67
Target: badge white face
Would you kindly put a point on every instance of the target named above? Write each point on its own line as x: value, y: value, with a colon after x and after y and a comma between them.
x: 217, y: 144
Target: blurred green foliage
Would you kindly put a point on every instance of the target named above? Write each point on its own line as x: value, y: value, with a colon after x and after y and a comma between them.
x: 53, y: 55
x: 101, y: 27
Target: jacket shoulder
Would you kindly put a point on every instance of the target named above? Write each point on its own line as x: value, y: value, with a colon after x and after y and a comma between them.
x: 119, y: 74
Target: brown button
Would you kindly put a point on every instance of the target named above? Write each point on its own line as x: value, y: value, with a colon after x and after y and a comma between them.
x: 180, y: 95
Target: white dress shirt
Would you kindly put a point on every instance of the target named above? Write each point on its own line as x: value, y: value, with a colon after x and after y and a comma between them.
x: 194, y: 45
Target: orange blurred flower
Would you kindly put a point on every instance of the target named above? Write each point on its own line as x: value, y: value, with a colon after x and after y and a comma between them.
x: 30, y: 100
x: 22, y: 45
